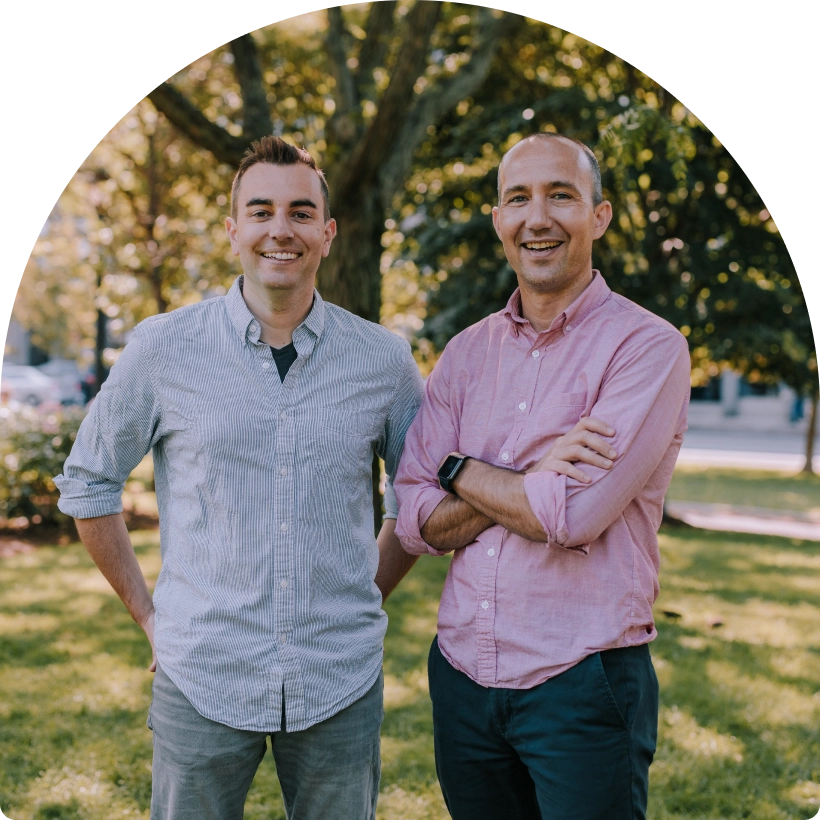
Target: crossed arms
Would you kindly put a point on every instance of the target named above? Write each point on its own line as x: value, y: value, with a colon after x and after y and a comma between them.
x: 642, y: 395
x: 487, y: 495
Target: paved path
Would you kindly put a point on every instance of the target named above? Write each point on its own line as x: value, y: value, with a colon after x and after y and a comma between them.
x: 780, y: 452
x: 733, y: 518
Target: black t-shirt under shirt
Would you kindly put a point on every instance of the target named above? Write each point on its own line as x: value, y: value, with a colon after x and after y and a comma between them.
x: 284, y: 358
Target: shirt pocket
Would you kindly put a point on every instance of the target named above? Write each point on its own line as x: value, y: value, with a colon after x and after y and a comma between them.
x: 566, y: 399
x: 563, y: 410
x: 341, y: 445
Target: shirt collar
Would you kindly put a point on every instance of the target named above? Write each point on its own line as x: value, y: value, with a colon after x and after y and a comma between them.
x: 594, y: 296
x: 248, y: 328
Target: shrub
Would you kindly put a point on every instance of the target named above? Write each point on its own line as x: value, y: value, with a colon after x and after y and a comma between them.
x: 34, y: 443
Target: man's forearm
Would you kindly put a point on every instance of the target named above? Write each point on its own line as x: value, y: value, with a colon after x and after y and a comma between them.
x: 499, y: 496
x: 454, y: 524
x: 109, y: 545
x: 394, y: 562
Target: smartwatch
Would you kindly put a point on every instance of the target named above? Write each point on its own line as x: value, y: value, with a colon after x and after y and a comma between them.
x: 449, y: 470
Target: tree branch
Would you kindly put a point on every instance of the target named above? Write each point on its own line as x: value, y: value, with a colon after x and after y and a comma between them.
x: 336, y: 42
x: 443, y: 96
x: 196, y: 126
x: 256, y: 121
x: 380, y: 138
x: 380, y: 25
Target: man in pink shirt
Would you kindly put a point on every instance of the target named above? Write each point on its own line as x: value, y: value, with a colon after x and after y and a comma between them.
x: 545, y: 701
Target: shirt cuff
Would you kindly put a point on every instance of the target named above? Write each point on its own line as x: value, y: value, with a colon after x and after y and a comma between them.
x: 81, y: 500
x: 412, y: 517
x: 391, y: 505
x: 547, y: 493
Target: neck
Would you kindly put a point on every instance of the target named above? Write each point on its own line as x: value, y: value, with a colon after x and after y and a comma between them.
x: 540, y: 308
x: 279, y: 312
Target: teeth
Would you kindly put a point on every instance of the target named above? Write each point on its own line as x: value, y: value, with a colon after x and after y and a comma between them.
x: 281, y: 256
x: 540, y: 246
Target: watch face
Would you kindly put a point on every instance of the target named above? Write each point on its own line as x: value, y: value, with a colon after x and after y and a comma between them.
x: 449, y: 466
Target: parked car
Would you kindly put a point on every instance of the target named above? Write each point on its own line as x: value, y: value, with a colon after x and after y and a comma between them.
x: 28, y: 385
x: 69, y: 378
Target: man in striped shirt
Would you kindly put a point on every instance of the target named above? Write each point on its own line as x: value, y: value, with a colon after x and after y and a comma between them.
x: 263, y: 410
x: 545, y: 701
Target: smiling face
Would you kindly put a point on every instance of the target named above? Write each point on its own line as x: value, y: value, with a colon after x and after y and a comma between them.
x: 546, y: 218
x: 279, y: 232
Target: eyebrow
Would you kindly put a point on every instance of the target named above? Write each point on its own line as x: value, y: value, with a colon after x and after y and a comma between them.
x: 297, y: 203
x: 558, y: 183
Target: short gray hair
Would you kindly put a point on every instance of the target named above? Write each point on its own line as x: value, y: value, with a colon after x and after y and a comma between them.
x: 597, y: 189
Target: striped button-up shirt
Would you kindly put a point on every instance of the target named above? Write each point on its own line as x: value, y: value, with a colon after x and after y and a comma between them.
x: 514, y: 612
x: 266, y: 595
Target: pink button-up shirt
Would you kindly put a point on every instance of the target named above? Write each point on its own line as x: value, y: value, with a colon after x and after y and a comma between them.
x: 516, y: 612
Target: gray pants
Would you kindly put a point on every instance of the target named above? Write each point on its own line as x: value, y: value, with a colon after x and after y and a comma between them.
x: 202, y: 770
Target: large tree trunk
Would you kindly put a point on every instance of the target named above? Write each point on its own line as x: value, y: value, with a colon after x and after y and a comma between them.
x: 350, y: 276
x: 808, y: 467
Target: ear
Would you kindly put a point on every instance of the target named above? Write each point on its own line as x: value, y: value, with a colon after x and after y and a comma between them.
x: 330, y: 233
x: 230, y: 228
x: 603, y: 216
x: 495, y: 221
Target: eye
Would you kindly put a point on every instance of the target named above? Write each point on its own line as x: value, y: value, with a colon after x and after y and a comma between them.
x: 302, y: 215
x: 259, y: 214
x: 517, y: 198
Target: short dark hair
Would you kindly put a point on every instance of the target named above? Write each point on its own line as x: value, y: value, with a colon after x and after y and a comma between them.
x: 275, y: 151
x: 597, y: 189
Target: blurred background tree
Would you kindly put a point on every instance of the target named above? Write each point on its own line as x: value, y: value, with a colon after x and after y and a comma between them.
x: 409, y: 107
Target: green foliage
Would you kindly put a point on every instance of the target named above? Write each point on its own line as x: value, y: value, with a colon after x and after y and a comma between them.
x: 138, y: 231
x: 690, y: 240
x: 33, y: 446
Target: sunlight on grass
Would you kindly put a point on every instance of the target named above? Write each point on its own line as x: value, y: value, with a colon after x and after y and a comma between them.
x: 807, y: 794
x: 68, y: 793
x: 748, y: 488
x: 395, y: 803
x: 765, y: 702
x: 683, y: 731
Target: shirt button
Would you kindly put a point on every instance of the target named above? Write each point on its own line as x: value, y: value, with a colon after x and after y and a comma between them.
x: 490, y: 552
x: 283, y: 583
x: 283, y: 471
x: 283, y: 638
x: 253, y: 325
x: 569, y: 327
x: 485, y: 604
x: 505, y: 456
x: 265, y: 365
x: 535, y: 354
x: 283, y: 414
x: 284, y: 528
x: 522, y: 406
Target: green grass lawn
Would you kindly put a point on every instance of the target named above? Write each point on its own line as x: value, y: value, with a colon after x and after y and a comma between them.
x: 748, y: 488
x: 738, y: 661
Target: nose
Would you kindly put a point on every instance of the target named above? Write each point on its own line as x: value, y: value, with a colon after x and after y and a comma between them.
x: 538, y: 214
x: 279, y: 226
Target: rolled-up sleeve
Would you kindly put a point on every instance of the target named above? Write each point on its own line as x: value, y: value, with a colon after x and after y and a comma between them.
x: 120, y: 428
x: 433, y: 434
x: 644, y: 397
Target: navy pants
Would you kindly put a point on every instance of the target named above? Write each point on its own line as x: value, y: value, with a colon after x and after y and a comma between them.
x: 576, y: 747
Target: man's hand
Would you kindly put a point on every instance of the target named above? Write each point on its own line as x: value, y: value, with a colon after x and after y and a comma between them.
x: 148, y: 627
x: 581, y: 444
